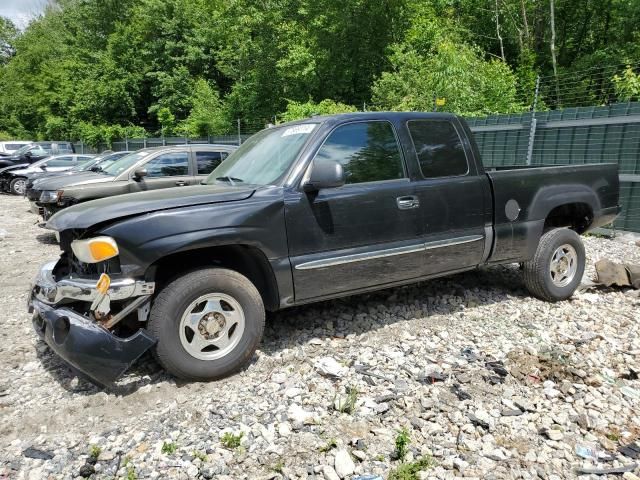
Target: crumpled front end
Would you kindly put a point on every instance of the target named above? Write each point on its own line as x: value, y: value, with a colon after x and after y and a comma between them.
x: 75, y: 316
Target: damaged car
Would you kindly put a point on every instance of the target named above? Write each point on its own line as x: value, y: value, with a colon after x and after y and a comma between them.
x: 303, y: 212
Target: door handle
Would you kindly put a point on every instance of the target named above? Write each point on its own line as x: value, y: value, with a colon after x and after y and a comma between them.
x: 405, y: 203
x: 181, y: 183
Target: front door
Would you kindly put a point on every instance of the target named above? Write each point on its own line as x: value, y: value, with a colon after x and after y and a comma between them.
x: 452, y: 197
x: 166, y: 170
x: 364, y: 233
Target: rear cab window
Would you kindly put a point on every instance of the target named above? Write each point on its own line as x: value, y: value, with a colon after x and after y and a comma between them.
x: 368, y: 151
x: 439, y: 148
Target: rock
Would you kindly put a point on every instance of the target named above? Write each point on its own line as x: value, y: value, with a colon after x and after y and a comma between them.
x: 86, y: 470
x: 329, y: 473
x: 330, y: 367
x: 344, y: 466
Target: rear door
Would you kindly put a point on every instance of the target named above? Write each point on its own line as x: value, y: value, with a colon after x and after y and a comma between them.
x: 452, y: 197
x: 165, y: 170
x: 361, y: 234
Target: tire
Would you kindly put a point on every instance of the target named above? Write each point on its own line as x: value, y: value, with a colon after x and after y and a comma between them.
x: 18, y: 186
x: 231, y: 323
x: 556, y: 269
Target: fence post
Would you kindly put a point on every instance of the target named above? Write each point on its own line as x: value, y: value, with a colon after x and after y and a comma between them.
x: 239, y: 137
x: 534, y: 122
x: 144, y: 142
x: 81, y: 146
x: 126, y: 142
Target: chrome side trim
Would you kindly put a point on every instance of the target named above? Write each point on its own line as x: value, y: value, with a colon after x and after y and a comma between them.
x: 388, y: 252
x: 453, y: 241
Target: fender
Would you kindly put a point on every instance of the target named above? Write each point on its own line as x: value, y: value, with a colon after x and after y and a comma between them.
x: 552, y: 196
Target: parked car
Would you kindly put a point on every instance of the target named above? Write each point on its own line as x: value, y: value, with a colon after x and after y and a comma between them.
x: 8, y: 148
x: 146, y: 169
x: 33, y: 190
x: 14, y: 180
x: 36, y: 151
x: 304, y: 212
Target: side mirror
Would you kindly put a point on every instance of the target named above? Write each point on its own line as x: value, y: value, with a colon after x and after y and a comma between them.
x: 28, y: 153
x: 43, y: 168
x: 324, y: 174
x: 140, y: 173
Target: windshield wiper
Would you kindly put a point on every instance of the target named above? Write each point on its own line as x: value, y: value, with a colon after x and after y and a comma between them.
x: 232, y: 180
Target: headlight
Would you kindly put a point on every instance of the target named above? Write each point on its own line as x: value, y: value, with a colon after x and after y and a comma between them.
x: 94, y: 250
x: 49, y: 196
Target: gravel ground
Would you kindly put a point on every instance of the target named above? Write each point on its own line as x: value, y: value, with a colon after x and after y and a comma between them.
x: 486, y: 381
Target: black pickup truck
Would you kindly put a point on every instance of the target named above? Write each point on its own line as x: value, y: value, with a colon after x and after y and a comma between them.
x: 306, y: 211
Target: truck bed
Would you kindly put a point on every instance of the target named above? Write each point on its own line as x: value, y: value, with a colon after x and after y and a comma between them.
x: 532, y: 191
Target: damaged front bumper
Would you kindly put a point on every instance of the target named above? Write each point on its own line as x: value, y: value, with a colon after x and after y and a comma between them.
x: 81, y: 341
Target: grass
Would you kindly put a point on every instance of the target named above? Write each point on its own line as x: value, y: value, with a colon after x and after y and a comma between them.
x: 349, y: 405
x: 169, y: 448
x: 402, y: 444
x: 199, y: 455
x: 331, y: 444
x: 278, y: 467
x: 231, y: 440
x: 94, y: 451
x: 409, y: 471
x: 130, y: 469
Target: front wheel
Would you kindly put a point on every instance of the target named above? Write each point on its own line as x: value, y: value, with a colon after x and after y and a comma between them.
x: 208, y: 324
x: 556, y: 269
x: 18, y: 186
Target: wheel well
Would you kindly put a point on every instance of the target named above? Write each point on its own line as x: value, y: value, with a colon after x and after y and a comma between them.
x: 576, y: 216
x: 246, y: 260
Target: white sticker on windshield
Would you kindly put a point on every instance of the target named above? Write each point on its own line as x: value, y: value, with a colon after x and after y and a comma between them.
x: 298, y: 129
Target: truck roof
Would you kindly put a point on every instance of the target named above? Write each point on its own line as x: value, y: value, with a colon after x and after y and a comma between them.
x: 392, y: 116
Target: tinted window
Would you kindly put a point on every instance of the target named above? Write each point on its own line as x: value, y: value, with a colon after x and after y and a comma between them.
x: 207, y: 161
x: 368, y: 152
x: 60, y: 162
x: 64, y: 148
x: 439, y: 148
x: 168, y: 164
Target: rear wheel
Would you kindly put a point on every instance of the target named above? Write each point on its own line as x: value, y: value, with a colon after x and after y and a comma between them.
x: 557, y: 267
x: 208, y: 324
x: 18, y: 186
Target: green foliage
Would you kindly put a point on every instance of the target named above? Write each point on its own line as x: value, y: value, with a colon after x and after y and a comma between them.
x: 231, y: 440
x: 627, y: 85
x: 409, y: 471
x: 94, y: 451
x: 456, y: 72
x: 296, y: 110
x: 208, y: 115
x: 169, y: 448
x: 8, y: 36
x: 91, y: 69
x: 402, y: 444
x: 199, y: 455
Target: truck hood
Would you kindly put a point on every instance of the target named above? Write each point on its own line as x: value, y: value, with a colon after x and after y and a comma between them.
x: 60, y: 182
x: 85, y: 215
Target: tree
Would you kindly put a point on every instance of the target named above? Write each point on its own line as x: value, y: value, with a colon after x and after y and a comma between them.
x: 8, y: 35
x: 297, y: 110
x: 208, y: 115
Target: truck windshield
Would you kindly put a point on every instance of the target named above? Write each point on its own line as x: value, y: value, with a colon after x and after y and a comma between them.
x: 124, y: 163
x: 264, y: 158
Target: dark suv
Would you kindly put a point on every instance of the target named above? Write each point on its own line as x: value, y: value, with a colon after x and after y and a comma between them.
x: 146, y: 169
x: 36, y: 151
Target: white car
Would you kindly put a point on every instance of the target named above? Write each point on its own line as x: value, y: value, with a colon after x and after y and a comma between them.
x: 7, y: 148
x: 14, y: 179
